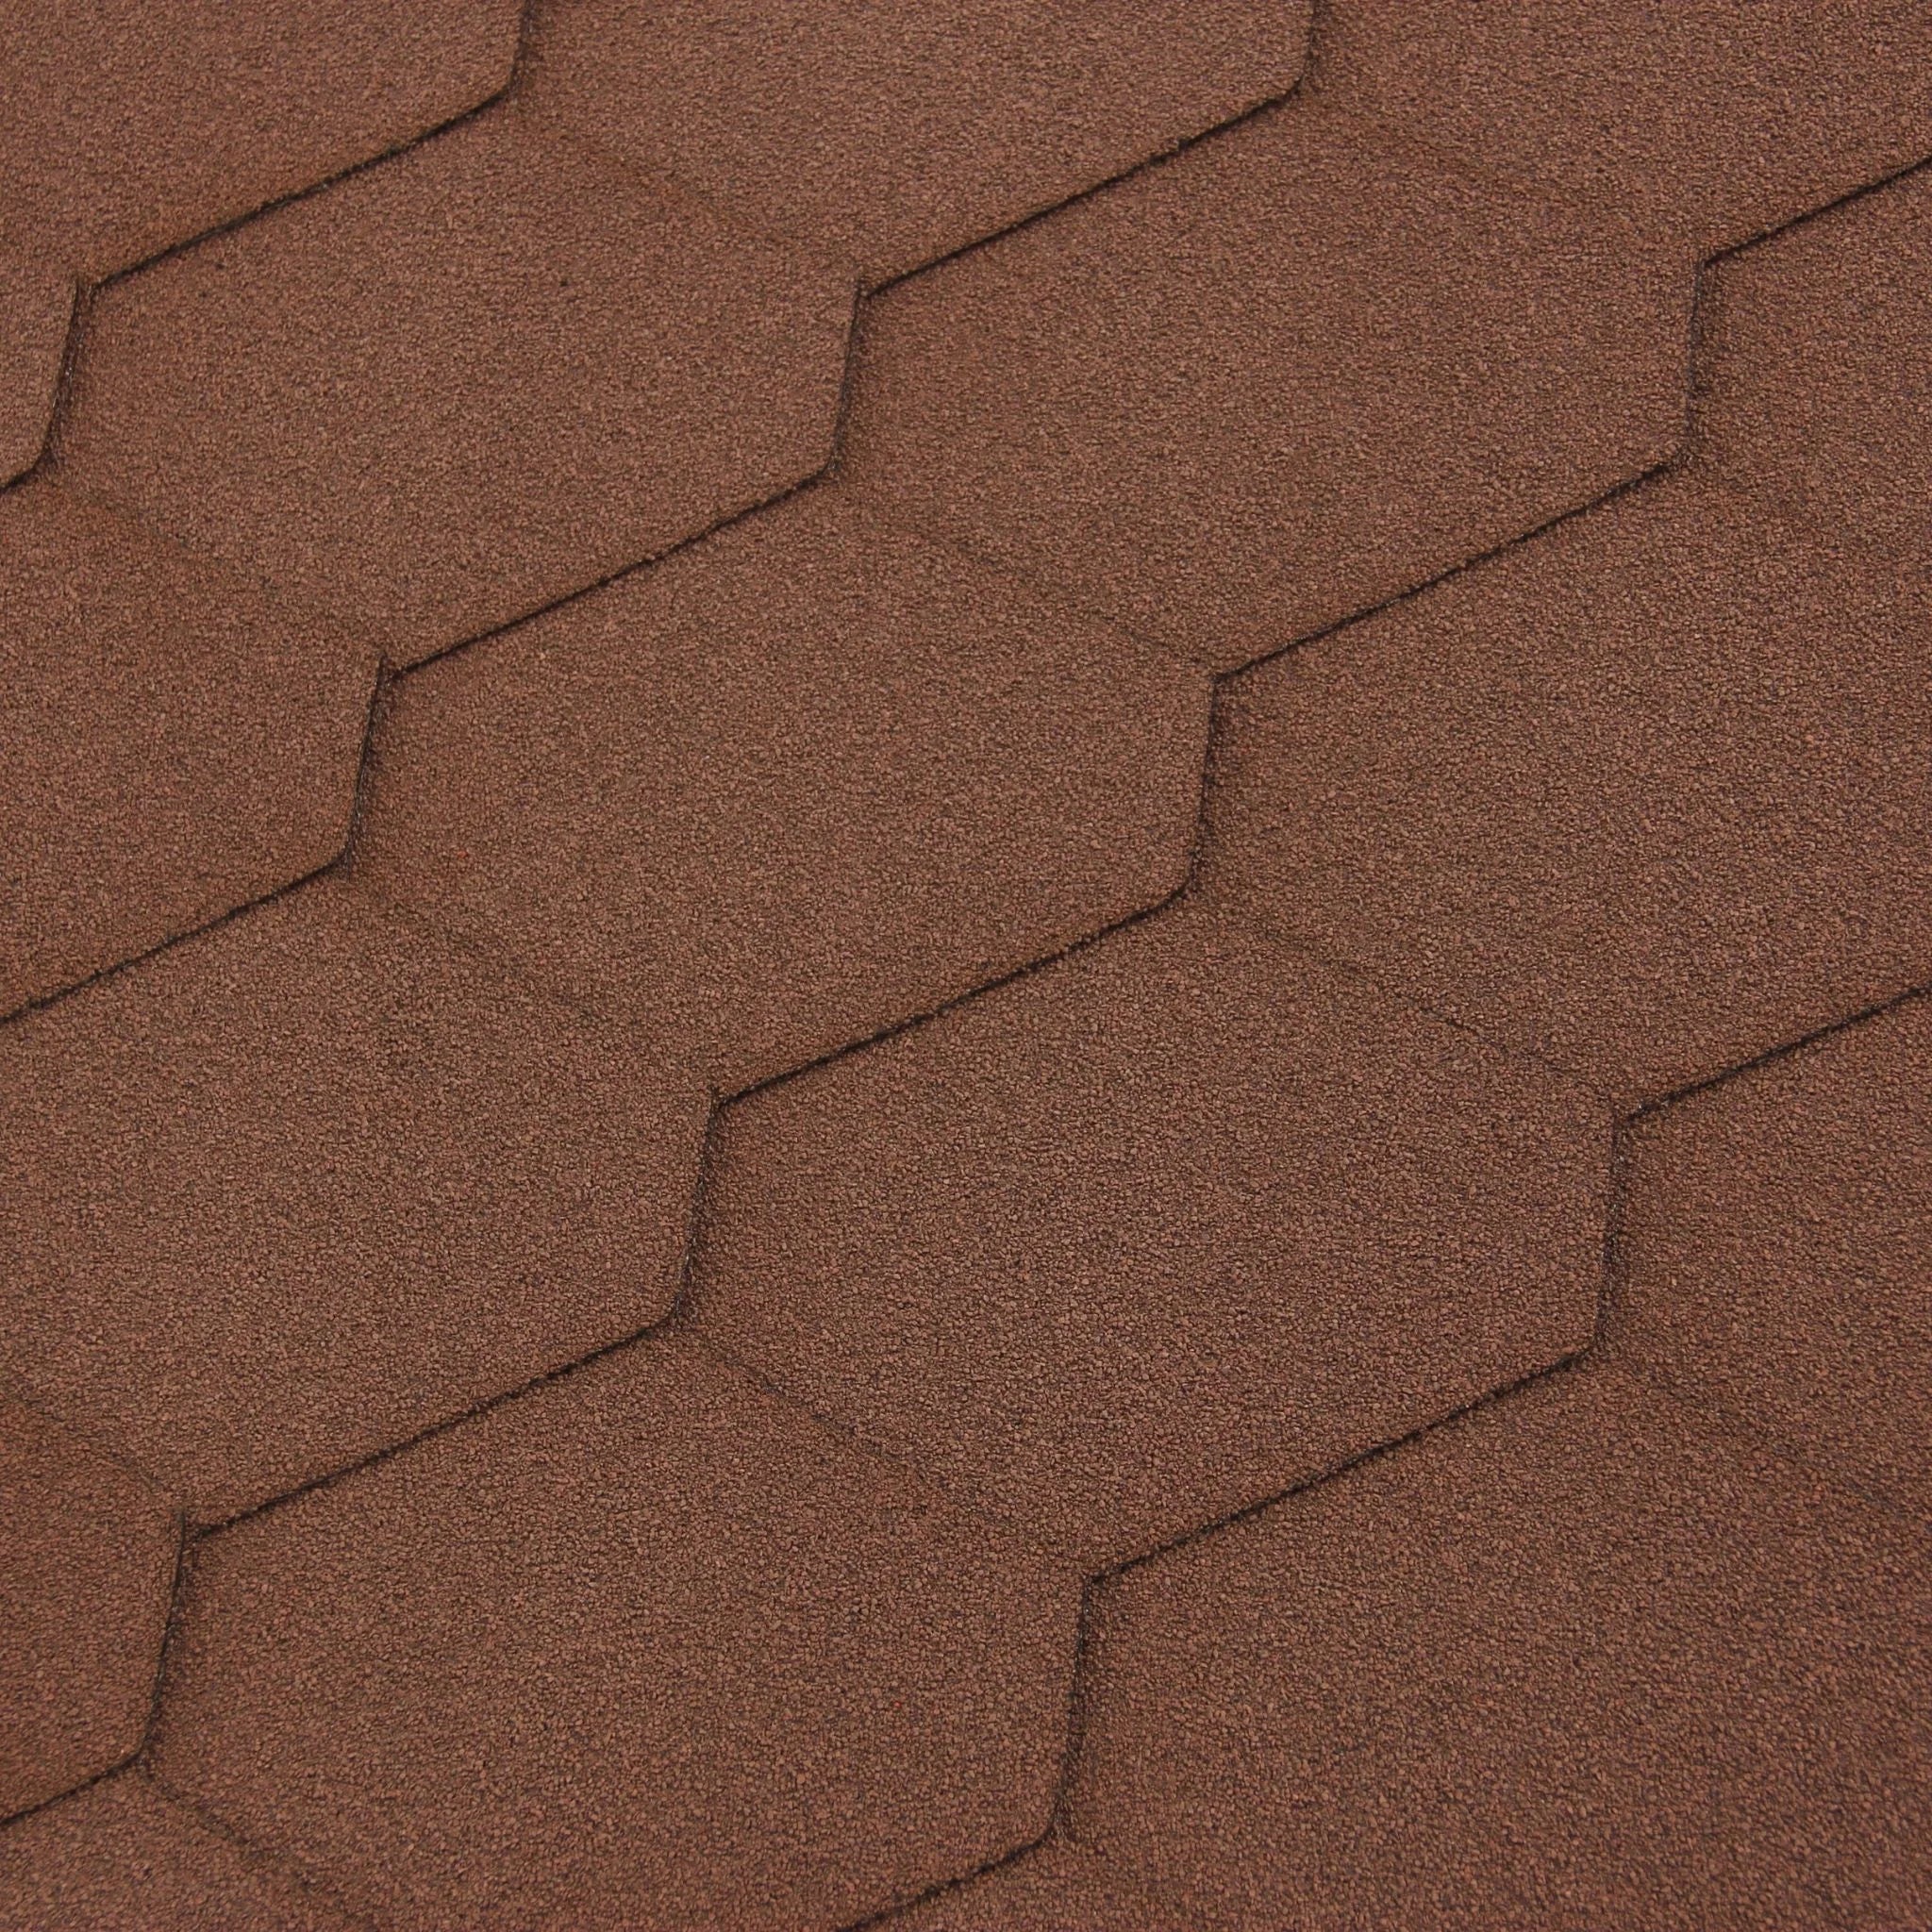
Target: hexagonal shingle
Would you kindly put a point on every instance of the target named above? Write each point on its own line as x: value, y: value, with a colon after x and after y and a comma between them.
x: 1708, y: 123
x: 128, y: 125
x: 289, y: 1192
x: 122, y: 1854
x: 178, y: 743
x: 645, y: 1646
x: 1813, y: 389
x: 1572, y: 1661
x: 1644, y: 796
x: 886, y: 136
x: 1268, y: 384
x: 35, y: 304
x: 87, y: 1553
x: 1773, y: 1247
x: 807, y: 778
x: 1154, y: 1233
x: 447, y: 390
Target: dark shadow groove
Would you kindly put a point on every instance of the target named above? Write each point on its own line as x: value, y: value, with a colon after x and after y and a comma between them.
x: 1783, y: 1050
x: 1081, y: 1690
x: 1147, y: 165
x: 441, y: 1426
x: 336, y: 861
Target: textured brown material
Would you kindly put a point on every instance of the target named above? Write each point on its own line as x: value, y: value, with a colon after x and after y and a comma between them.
x: 1707, y: 123
x: 451, y: 388
x: 122, y: 1856
x: 35, y: 303
x: 1572, y: 1662
x: 175, y: 743
x: 1059, y: 1889
x: 281, y: 1195
x: 87, y: 1563
x: 1775, y: 1247
x: 786, y: 1298
x: 1155, y: 1233
x: 1261, y: 388
x: 808, y: 779
x: 128, y: 126
x: 715, y: 1667
x: 1815, y: 375
x: 888, y: 135
x: 1645, y: 796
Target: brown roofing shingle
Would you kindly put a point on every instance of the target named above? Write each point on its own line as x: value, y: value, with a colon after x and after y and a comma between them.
x: 1706, y: 124
x: 122, y: 1856
x: 88, y: 1553
x: 1153, y: 1234
x: 1268, y: 384
x: 446, y: 391
x: 294, y: 1191
x: 1813, y: 383
x: 1645, y: 796
x: 35, y: 304
x: 809, y: 780
x: 1572, y: 1661
x: 647, y: 1648
x: 741, y: 1186
x: 177, y: 741
x: 130, y: 125
x: 887, y: 136
x: 1773, y: 1240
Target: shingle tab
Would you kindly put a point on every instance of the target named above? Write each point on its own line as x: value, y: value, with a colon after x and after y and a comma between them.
x: 1154, y: 1234
x: 805, y: 781
x: 122, y: 1856
x: 647, y: 1647
x: 1269, y: 384
x: 454, y: 388
x: 1645, y: 796
x: 1570, y: 1663
x: 36, y: 305
x: 1772, y: 1253
x: 886, y: 136
x: 1708, y: 123
x: 131, y: 126
x: 177, y: 741
x: 87, y: 1554
x: 282, y: 1196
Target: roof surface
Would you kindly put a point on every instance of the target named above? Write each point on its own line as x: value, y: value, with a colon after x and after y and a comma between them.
x: 966, y: 966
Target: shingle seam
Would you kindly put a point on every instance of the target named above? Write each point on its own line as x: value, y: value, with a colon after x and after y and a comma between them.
x: 332, y: 864
x: 1794, y: 506
x: 134, y: 1757
x: 342, y: 175
x: 1065, y: 1822
x: 731, y: 519
x: 1493, y: 175
x: 1783, y: 1050
x: 1147, y: 165
x: 284, y: 1865
x: 1736, y: 1426
x: 85, y: 291
x: 674, y: 1323
x: 1864, y: 190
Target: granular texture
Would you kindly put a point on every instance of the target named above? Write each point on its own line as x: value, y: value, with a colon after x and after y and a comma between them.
x: 964, y: 965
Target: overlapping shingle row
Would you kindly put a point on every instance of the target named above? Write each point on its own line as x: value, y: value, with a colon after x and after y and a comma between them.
x: 659, y: 1439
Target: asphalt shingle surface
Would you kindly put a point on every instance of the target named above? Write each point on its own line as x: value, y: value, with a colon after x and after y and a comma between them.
x: 965, y: 967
